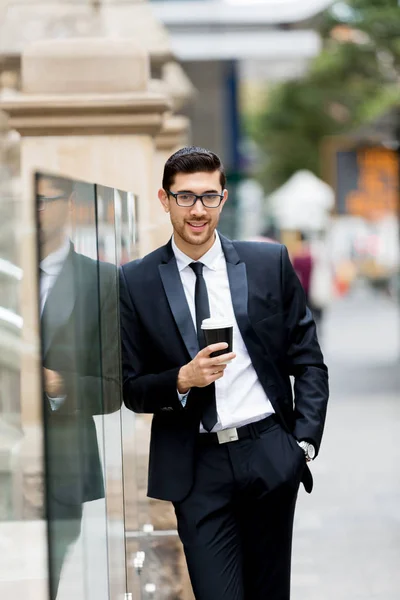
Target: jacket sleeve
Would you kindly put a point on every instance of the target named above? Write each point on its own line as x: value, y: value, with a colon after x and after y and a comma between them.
x: 143, y: 390
x: 304, y: 359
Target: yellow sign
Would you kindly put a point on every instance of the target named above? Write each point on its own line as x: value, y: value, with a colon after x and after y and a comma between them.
x: 377, y: 192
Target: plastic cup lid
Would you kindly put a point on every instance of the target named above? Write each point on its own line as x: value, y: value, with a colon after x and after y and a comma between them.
x: 217, y: 323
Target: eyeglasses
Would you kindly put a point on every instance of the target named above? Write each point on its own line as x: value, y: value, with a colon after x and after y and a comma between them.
x: 43, y: 200
x: 187, y: 200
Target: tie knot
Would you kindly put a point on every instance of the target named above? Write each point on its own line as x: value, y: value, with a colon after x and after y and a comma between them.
x: 197, y: 268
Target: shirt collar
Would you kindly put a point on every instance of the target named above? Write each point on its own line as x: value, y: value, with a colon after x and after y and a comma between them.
x: 54, y: 261
x: 210, y: 259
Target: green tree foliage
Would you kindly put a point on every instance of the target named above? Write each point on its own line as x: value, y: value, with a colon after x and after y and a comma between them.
x: 354, y: 79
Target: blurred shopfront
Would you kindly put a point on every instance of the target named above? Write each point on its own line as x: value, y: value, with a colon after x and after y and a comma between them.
x: 364, y: 171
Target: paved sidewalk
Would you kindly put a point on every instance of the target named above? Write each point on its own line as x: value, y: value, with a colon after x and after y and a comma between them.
x: 347, y: 533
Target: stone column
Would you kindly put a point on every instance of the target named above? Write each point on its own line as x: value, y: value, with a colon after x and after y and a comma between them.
x: 84, y: 111
x: 174, y: 134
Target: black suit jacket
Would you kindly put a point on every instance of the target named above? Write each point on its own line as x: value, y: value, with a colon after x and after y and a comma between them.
x: 79, y: 331
x: 158, y: 338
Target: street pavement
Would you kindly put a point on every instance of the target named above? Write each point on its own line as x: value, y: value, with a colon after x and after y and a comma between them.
x: 347, y: 532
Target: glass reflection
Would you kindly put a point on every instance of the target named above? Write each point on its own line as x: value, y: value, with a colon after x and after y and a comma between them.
x: 78, y: 315
x: 109, y: 237
x: 22, y: 565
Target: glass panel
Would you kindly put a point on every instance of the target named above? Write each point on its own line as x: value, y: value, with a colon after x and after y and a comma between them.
x: 70, y: 308
x: 23, y: 548
x: 109, y: 211
x: 127, y: 249
x: 126, y: 226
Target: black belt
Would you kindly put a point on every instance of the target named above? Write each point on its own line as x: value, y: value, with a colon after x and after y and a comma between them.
x: 237, y: 433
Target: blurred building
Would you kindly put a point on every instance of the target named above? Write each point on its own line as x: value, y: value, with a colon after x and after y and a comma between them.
x: 22, y: 24
x: 230, y: 49
x: 364, y: 169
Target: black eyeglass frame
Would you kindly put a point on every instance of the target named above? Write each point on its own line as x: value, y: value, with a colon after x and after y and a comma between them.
x: 197, y: 197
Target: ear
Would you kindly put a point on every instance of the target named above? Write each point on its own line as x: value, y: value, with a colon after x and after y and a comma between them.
x: 164, y: 199
x: 224, y: 199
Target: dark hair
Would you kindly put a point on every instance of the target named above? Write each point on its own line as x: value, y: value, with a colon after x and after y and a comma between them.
x: 192, y: 159
x: 66, y: 186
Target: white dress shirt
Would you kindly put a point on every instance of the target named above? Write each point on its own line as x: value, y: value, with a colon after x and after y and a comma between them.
x: 240, y: 396
x: 50, y: 268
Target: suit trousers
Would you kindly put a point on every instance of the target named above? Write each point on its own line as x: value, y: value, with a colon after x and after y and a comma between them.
x: 236, y: 523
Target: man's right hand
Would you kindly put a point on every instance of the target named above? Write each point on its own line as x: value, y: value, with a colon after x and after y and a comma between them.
x: 203, y: 369
x: 53, y: 383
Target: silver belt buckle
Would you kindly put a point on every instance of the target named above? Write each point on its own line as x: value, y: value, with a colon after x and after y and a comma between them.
x: 227, y: 435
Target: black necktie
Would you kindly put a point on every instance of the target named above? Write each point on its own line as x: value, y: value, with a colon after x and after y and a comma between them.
x: 201, y: 301
x: 209, y: 417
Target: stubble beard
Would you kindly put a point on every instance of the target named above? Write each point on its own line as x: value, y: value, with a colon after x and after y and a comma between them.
x: 193, y: 240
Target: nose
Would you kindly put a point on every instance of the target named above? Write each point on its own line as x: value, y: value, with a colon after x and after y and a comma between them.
x: 198, y: 209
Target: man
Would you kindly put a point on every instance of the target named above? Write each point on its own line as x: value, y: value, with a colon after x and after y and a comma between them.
x: 234, y: 500
x: 78, y: 312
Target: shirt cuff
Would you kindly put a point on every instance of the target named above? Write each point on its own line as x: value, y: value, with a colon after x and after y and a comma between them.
x: 55, y: 403
x: 183, y: 398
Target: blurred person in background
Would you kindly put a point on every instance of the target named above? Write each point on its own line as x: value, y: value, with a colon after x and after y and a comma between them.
x: 77, y: 381
x: 312, y: 266
x: 229, y: 446
x: 322, y: 287
x: 303, y: 263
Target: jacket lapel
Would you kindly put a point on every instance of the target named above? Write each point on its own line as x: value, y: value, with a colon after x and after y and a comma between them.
x: 177, y: 301
x: 262, y: 362
x: 60, y: 302
x: 238, y: 284
x: 237, y: 276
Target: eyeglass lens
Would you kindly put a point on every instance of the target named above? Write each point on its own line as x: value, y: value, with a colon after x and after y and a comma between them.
x: 209, y: 200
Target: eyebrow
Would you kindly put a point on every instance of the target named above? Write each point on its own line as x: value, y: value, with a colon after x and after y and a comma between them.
x: 191, y: 192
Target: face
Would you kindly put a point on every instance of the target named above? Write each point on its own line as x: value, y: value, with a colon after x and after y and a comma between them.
x: 194, y: 227
x: 54, y: 215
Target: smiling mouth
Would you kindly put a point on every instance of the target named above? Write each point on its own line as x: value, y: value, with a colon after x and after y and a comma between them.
x: 197, y: 225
